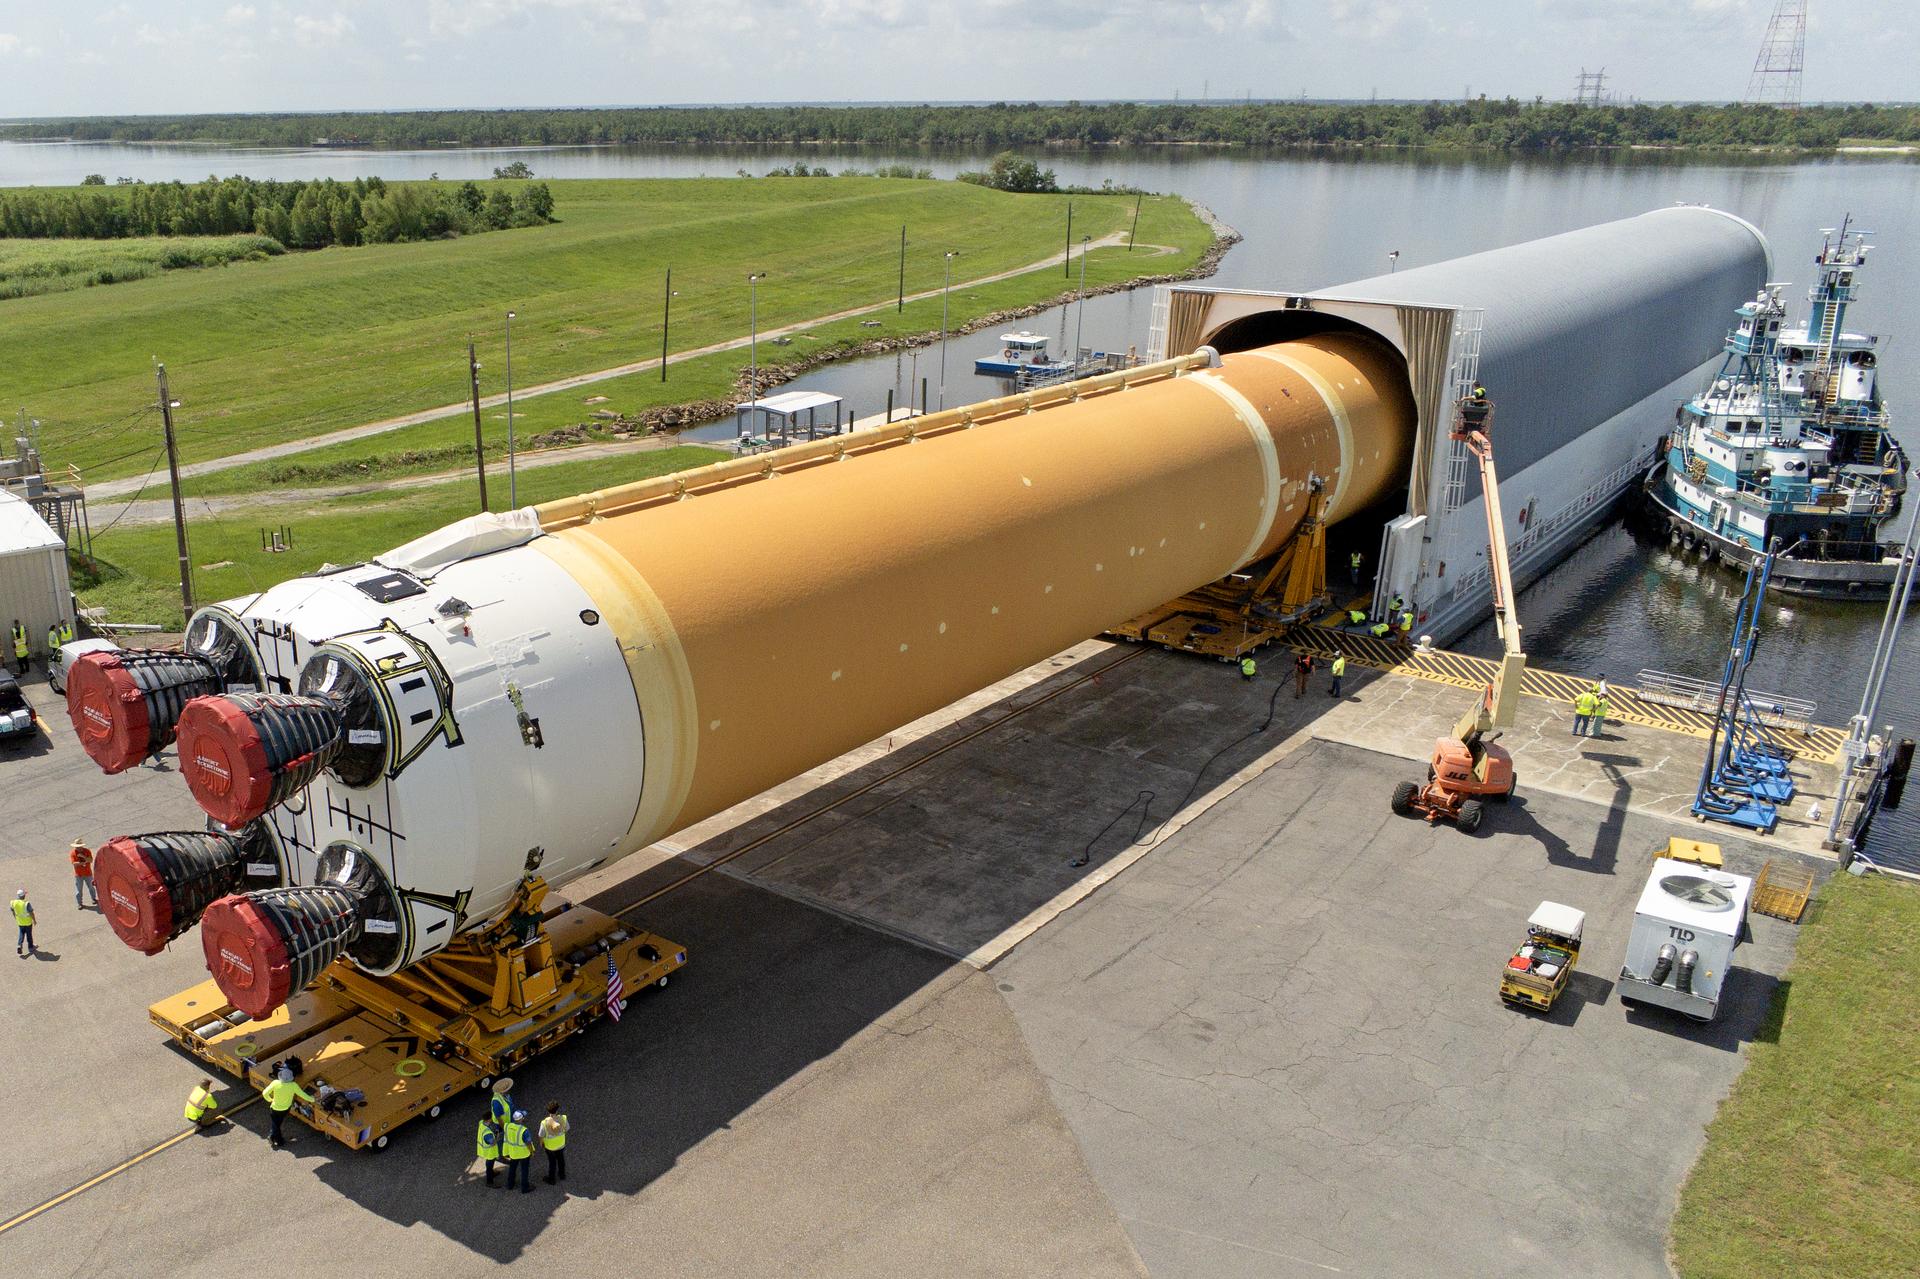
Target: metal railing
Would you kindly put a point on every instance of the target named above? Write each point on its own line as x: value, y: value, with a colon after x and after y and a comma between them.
x: 1775, y: 710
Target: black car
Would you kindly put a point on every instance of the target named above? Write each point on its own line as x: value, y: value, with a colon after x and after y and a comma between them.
x: 17, y: 723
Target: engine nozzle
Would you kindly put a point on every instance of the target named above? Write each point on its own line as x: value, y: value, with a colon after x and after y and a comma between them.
x: 243, y: 753
x: 153, y: 888
x: 125, y: 704
x: 263, y: 947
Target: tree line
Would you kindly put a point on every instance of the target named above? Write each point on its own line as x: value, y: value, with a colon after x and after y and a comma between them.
x: 300, y: 215
x: 1506, y: 124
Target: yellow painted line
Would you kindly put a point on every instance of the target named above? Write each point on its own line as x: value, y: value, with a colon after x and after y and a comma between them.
x: 1461, y: 670
x: 116, y: 1170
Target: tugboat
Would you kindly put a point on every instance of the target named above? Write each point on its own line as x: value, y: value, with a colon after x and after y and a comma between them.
x: 1788, y: 445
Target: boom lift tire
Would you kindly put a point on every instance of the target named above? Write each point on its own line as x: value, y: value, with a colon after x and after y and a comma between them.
x: 1403, y: 797
x: 1469, y: 817
x: 1507, y: 794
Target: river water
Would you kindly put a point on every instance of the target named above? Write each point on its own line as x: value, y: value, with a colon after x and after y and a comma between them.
x: 1618, y: 605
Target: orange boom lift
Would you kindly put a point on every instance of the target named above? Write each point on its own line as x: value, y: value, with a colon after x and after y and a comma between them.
x: 1467, y: 769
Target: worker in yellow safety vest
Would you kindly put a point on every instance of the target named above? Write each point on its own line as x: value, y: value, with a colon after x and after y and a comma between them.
x: 487, y: 1146
x: 66, y: 631
x: 23, y: 917
x: 553, y: 1137
x: 1356, y: 617
x: 1380, y: 630
x: 1585, y: 706
x: 280, y: 1096
x: 1406, y: 624
x: 1354, y: 561
x: 53, y: 641
x: 1248, y: 667
x: 1339, y: 673
x: 519, y: 1150
x: 201, y: 1104
x: 19, y: 648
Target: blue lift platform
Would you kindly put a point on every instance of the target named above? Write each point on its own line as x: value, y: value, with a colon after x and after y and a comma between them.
x: 1744, y: 778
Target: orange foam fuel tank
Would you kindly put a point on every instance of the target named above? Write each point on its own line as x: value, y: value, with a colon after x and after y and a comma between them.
x: 552, y: 688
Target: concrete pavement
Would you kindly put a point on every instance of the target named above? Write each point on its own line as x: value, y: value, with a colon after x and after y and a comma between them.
x: 1254, y: 1033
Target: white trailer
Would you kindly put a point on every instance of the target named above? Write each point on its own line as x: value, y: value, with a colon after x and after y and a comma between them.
x: 34, y: 588
x: 1685, y: 929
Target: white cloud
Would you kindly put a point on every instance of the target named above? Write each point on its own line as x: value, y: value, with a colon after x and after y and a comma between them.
x: 149, y: 34
x: 331, y: 29
x: 8, y: 43
x: 240, y: 13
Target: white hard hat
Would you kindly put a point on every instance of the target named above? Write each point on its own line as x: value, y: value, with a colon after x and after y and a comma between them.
x: 519, y: 1114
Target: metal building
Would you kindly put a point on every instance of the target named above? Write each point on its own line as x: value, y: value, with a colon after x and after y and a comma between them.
x: 1587, y: 342
x: 34, y: 587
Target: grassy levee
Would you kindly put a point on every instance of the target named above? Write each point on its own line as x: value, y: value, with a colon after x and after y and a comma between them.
x: 278, y: 351
x: 137, y: 577
x: 397, y: 453
x: 1812, y: 1165
x: 29, y: 267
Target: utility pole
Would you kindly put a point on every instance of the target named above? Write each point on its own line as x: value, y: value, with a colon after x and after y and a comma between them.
x: 479, y: 447
x: 1135, y: 228
x: 945, y: 295
x: 666, y: 320
x: 173, y: 477
x: 1080, y: 308
x: 902, y: 304
x: 513, y: 477
x: 753, y: 313
x: 1066, y: 264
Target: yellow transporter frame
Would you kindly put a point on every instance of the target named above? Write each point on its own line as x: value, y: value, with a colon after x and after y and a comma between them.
x: 413, y: 1041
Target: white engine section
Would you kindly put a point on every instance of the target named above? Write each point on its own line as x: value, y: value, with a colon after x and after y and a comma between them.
x: 498, y: 668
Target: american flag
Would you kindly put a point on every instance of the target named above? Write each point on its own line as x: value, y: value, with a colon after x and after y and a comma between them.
x: 615, y: 988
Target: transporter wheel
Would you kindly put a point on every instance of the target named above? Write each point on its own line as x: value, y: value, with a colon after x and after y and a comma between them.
x: 485, y: 1082
x: 662, y: 981
x: 380, y: 1142
x: 1470, y: 814
x: 433, y: 1112
x: 1403, y: 797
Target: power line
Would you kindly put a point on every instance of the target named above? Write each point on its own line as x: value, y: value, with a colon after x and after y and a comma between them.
x: 158, y: 456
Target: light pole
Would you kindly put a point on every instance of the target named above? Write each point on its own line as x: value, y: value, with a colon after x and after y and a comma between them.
x: 753, y: 308
x: 666, y: 318
x: 513, y: 486
x: 946, y: 295
x: 1080, y: 321
x: 1393, y: 262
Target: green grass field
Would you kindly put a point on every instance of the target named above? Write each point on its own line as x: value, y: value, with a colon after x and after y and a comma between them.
x: 138, y: 580
x: 704, y: 377
x: 30, y: 267
x: 1812, y: 1166
x: 308, y: 343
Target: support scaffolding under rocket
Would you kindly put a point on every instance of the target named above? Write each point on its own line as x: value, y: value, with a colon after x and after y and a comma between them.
x: 387, y: 750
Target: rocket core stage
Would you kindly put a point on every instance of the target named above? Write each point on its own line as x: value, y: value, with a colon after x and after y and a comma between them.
x: 553, y: 688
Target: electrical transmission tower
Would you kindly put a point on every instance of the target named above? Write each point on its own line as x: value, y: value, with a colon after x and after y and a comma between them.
x: 1592, y: 91
x: 1776, y: 72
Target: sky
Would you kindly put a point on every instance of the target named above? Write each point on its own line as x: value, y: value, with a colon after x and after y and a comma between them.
x: 105, y: 57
